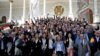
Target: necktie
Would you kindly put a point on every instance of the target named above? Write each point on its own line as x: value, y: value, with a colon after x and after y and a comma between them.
x: 86, y: 37
x: 82, y: 43
x: 97, y: 39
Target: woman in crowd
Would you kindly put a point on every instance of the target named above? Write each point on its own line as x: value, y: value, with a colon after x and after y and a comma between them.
x: 69, y: 43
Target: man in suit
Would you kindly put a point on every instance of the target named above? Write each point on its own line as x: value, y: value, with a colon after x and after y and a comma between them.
x: 77, y: 37
x: 11, y: 41
x: 74, y: 34
x: 83, y: 47
x: 20, y: 46
x: 36, y: 46
x: 77, y: 41
x: 2, y: 45
x: 95, y: 45
x: 98, y: 44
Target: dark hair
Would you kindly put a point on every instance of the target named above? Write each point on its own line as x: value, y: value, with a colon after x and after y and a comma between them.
x: 67, y: 35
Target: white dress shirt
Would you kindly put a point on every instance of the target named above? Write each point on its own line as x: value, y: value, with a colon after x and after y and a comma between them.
x: 36, y: 41
x: 97, y: 38
x: 50, y: 44
x: 44, y: 43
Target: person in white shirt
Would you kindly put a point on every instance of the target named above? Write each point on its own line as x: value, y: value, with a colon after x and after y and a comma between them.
x: 44, y: 45
x: 59, y: 47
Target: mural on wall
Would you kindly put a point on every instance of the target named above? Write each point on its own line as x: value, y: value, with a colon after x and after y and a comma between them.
x: 58, y: 10
x: 82, y: 3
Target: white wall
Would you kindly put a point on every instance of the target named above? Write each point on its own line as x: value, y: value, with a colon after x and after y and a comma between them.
x: 4, y: 12
x: 17, y: 10
x: 16, y: 14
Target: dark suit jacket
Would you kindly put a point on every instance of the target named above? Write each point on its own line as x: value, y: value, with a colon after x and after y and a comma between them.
x: 2, y: 51
x: 13, y: 44
x: 90, y: 35
x: 94, y: 46
x: 47, y: 42
x: 21, y: 46
x: 36, y: 47
x: 27, y: 47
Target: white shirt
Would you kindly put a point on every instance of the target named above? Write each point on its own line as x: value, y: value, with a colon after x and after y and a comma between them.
x: 14, y: 39
x: 97, y: 38
x: 36, y: 41
x: 44, y: 43
x: 58, y: 47
x: 70, y: 43
x: 50, y: 44
x: 64, y: 33
x: 83, y: 42
x: 54, y: 37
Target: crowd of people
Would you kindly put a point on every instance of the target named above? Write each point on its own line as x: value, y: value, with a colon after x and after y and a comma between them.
x: 51, y: 37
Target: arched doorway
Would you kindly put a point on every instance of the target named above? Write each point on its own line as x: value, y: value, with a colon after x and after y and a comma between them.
x: 87, y: 14
x: 91, y: 16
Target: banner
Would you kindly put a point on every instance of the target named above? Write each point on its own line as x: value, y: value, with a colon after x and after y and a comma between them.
x: 34, y: 9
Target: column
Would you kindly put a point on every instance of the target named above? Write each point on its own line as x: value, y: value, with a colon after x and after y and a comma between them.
x: 44, y: 7
x: 24, y: 10
x: 96, y: 15
x: 70, y: 9
x: 30, y: 16
x: 10, y: 11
